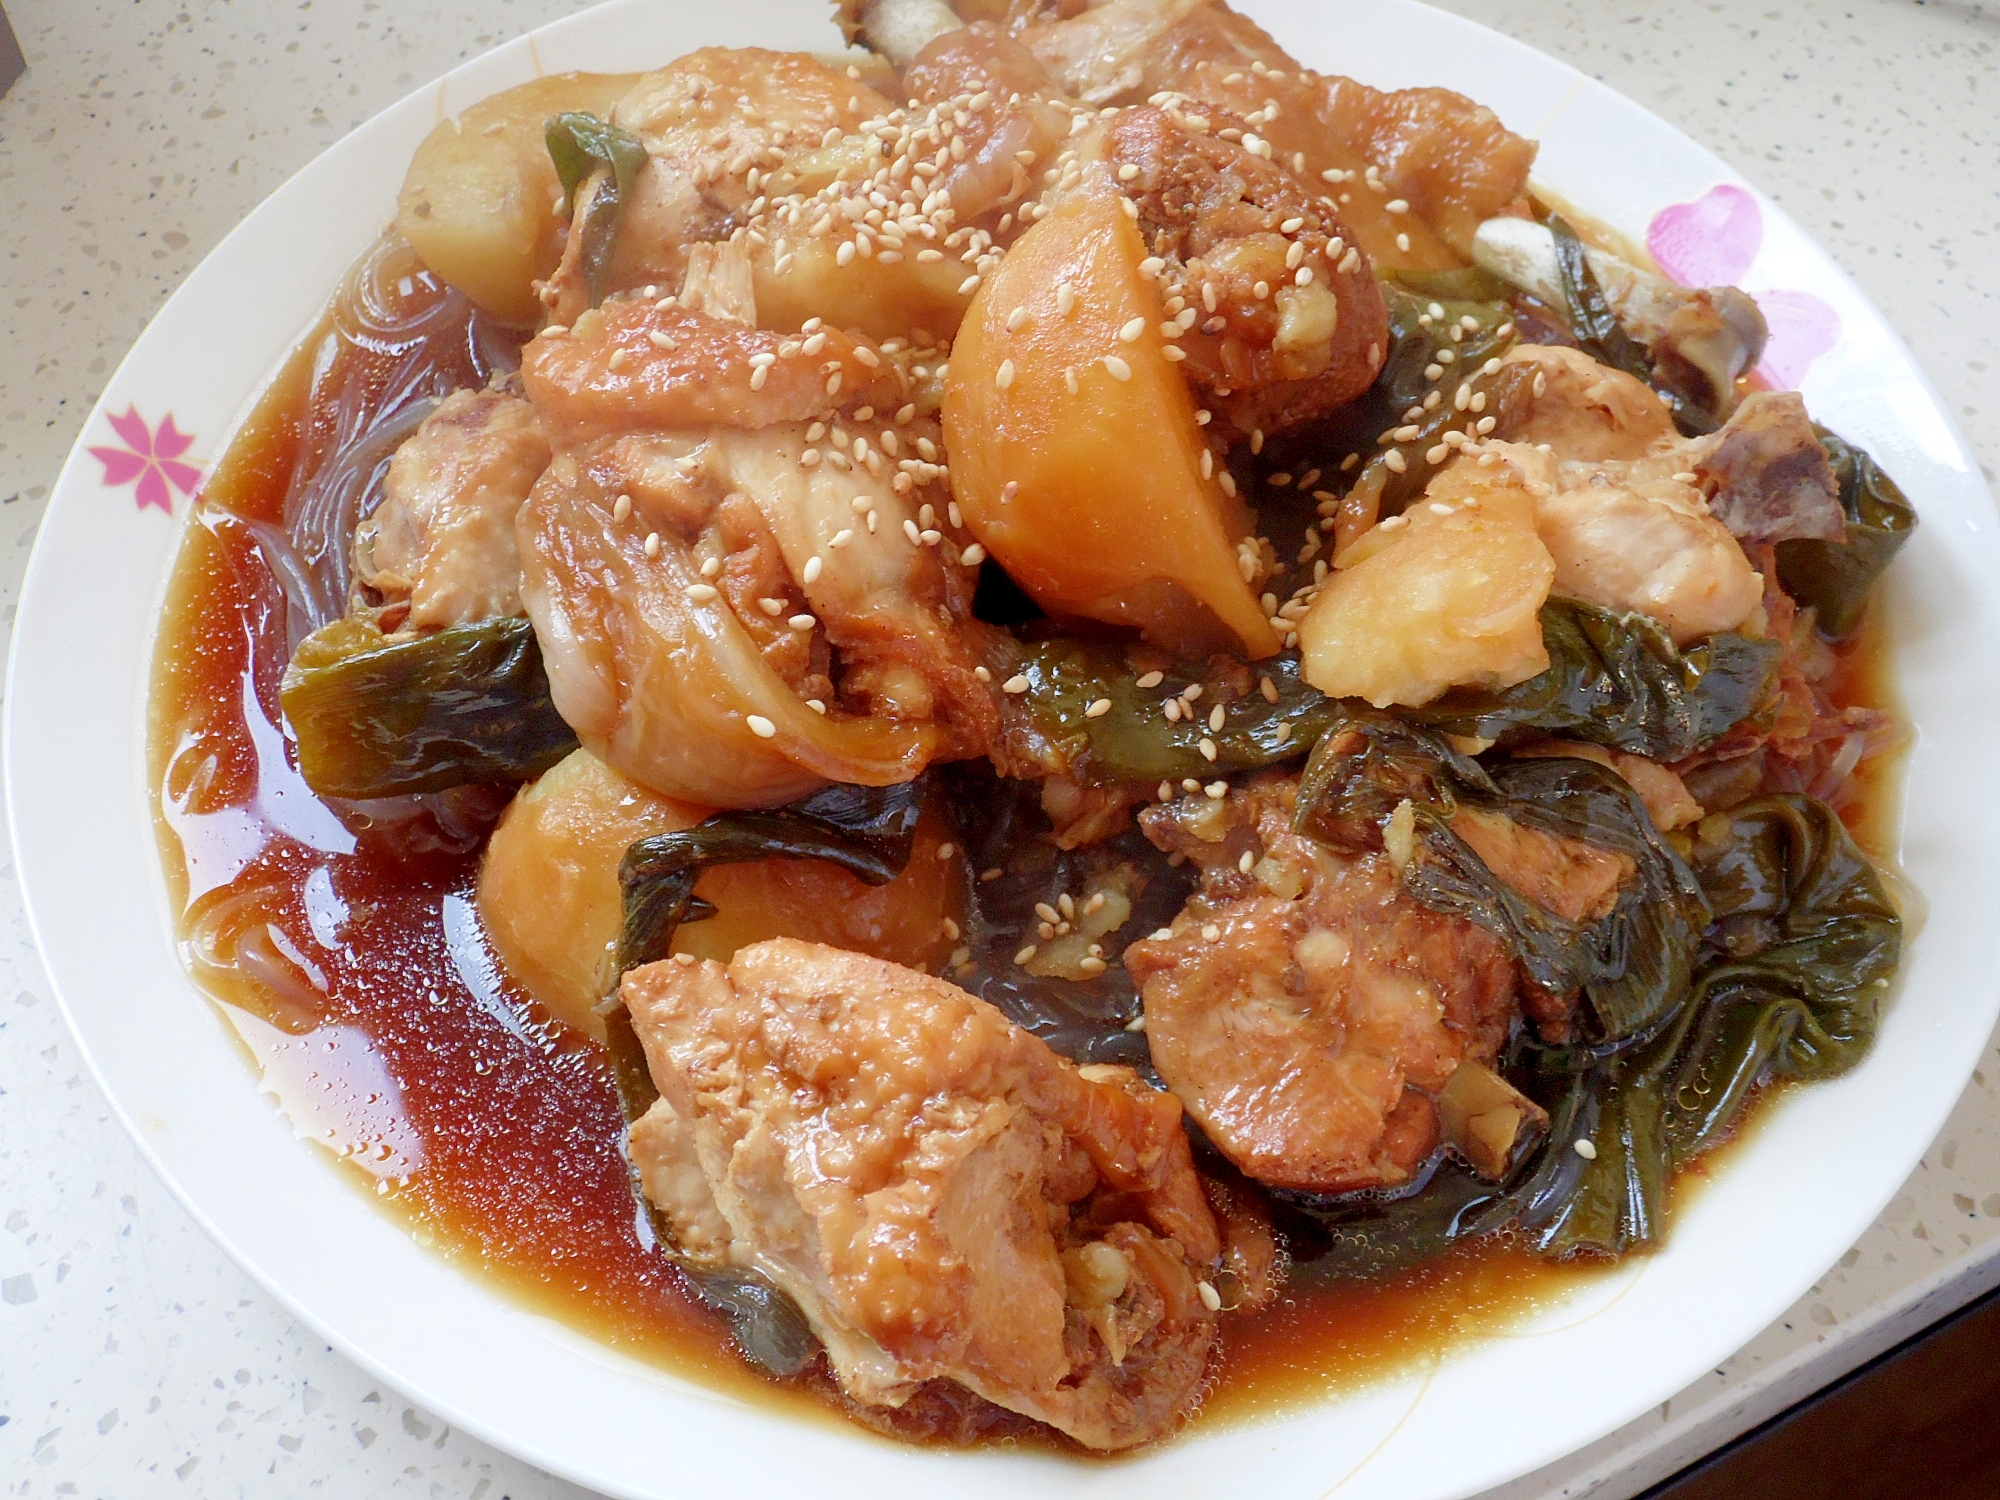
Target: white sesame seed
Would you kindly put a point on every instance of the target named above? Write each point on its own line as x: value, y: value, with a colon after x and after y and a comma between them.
x: 972, y: 556
x: 910, y: 530
x: 1015, y: 684
x: 1065, y: 298
x: 1119, y: 369
x: 1207, y: 748
x: 1098, y: 709
x: 817, y: 705
x: 1025, y: 954
x: 1586, y: 1148
x: 1004, y: 376
x: 1211, y: 933
x: 1128, y: 172
x: 1129, y: 334
x: 711, y: 568
x: 1396, y: 462
x: 1151, y: 680
x: 1396, y: 206
x: 1016, y: 318
x: 652, y: 544
x: 621, y: 509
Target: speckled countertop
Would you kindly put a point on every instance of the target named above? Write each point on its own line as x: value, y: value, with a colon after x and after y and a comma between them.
x: 135, y: 1360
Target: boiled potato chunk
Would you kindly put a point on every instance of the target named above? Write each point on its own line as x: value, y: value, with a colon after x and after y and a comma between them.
x: 1449, y: 594
x: 1075, y: 455
x: 548, y: 891
x: 481, y: 201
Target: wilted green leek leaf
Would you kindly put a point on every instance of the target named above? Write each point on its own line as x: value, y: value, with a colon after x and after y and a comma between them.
x: 1618, y: 680
x: 1631, y: 965
x: 1790, y: 988
x: 1418, y: 341
x: 1804, y: 945
x: 1835, y: 577
x: 1613, y: 679
x: 581, y: 144
x: 1134, y: 740
x: 382, y: 717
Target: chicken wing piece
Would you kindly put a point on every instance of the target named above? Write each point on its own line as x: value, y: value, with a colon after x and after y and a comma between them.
x: 1306, y: 1011
x: 443, y: 537
x: 942, y: 1195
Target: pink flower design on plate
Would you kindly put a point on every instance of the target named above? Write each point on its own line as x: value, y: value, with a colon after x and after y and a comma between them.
x: 1713, y: 241
x: 152, y: 457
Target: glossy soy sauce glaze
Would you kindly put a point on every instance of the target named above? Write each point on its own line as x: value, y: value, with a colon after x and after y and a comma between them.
x: 366, y: 997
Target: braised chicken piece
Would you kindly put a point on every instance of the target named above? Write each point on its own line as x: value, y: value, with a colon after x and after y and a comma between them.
x: 1277, y: 316
x: 719, y: 126
x: 943, y: 1196
x: 730, y: 548
x: 443, y: 537
x: 1767, y: 475
x: 1306, y: 1011
x: 1413, y: 173
x: 1309, y: 1012
x: 1015, y: 122
x: 1620, y: 498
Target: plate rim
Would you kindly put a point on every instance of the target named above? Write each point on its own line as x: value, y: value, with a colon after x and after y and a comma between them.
x: 29, y: 628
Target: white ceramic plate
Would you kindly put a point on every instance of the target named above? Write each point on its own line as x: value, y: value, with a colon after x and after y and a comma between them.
x: 1789, y: 1205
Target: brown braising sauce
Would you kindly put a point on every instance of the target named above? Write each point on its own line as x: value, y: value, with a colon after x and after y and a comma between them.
x: 366, y: 997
